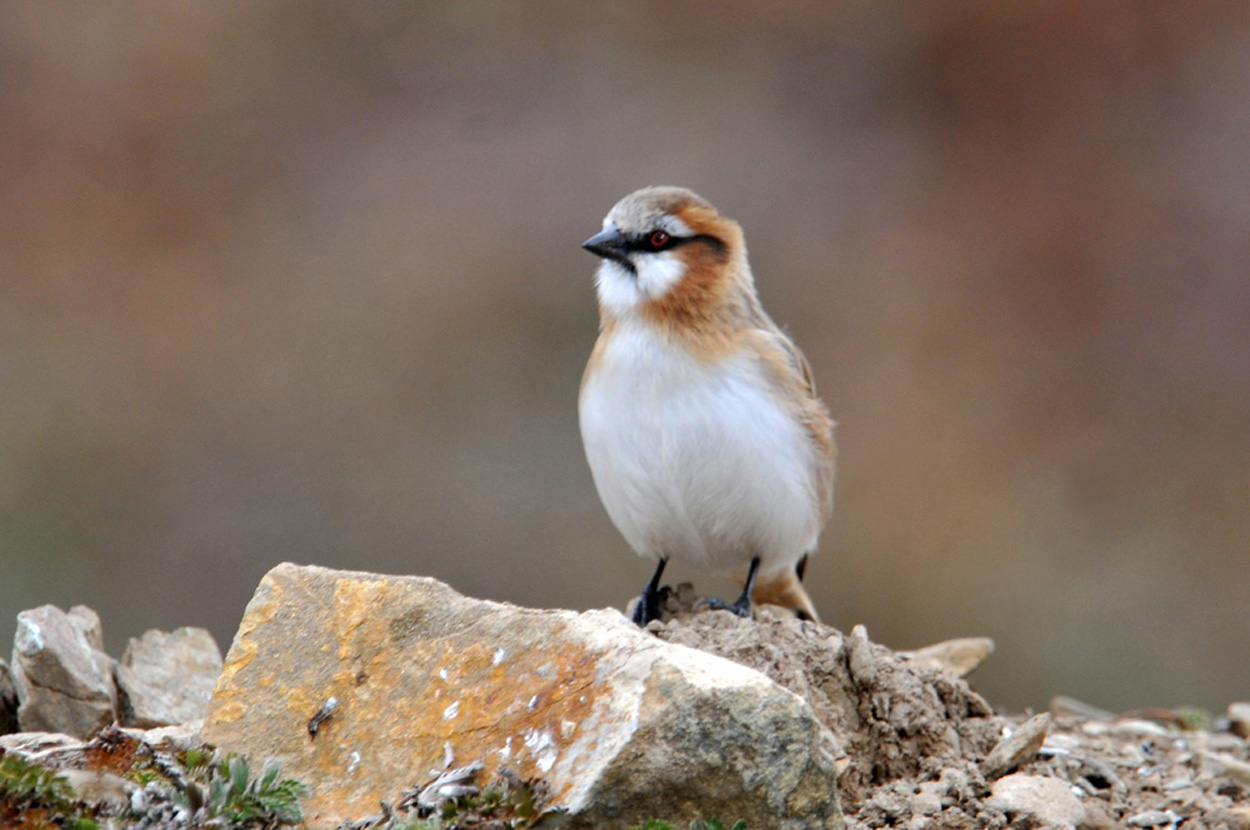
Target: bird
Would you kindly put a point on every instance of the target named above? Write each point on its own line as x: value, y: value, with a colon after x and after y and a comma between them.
x: 699, y: 416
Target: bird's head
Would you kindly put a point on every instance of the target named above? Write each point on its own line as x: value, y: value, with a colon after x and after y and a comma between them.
x: 667, y: 250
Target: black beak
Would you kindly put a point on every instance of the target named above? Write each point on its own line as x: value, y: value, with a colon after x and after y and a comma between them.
x: 609, y: 243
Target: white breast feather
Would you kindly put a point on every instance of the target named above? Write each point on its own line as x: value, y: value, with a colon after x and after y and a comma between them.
x: 695, y: 462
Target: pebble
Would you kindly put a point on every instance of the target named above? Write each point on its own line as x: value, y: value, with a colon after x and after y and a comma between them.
x: 960, y: 657
x: 1227, y: 766
x: 1047, y: 801
x: 1136, y: 728
x: 1239, y: 818
x: 1017, y: 748
x: 1239, y: 719
x: 1152, y: 818
x: 926, y: 805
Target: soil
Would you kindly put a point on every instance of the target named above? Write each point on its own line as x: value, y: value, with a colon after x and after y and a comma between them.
x: 916, y: 737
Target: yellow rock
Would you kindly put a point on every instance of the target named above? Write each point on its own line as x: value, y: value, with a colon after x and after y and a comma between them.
x: 619, y: 725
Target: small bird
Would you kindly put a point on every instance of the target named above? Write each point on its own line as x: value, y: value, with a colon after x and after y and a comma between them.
x: 699, y: 416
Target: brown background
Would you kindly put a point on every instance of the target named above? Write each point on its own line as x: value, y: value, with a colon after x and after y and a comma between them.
x: 301, y: 281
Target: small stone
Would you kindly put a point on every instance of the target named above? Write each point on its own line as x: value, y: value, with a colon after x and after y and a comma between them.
x: 63, y: 683
x: 1239, y: 719
x: 960, y: 657
x: 1152, y: 818
x: 1238, y: 818
x: 1018, y: 748
x: 1135, y: 729
x: 1227, y: 766
x: 167, y: 678
x: 98, y: 787
x: 1047, y: 801
x: 1097, y: 817
x: 177, y: 738
x: 926, y: 804
x: 38, y: 744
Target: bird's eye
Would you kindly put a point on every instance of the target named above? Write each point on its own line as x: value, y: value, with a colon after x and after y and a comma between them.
x: 658, y: 239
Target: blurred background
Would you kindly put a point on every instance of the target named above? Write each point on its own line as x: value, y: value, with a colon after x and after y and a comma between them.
x: 302, y: 281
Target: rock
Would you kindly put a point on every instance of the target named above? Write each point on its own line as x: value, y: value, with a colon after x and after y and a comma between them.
x: 960, y: 657
x: 1045, y: 801
x: 38, y: 745
x: 1238, y: 818
x: 100, y: 787
x: 167, y: 678
x: 87, y: 623
x: 614, y: 725
x: 897, y: 719
x: 8, y: 701
x: 177, y: 738
x: 63, y: 682
x: 1097, y: 817
x: 1017, y: 748
x: 1153, y: 818
x: 1239, y: 719
x: 1226, y: 765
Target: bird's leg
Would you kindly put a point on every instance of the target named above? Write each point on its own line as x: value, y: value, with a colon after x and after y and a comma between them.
x: 742, y: 605
x: 653, y: 596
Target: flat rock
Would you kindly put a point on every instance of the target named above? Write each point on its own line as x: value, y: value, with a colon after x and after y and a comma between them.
x: 1048, y: 802
x: 616, y: 726
x: 961, y: 657
x: 32, y: 743
x: 64, y: 683
x: 167, y: 678
x: 1017, y: 748
x: 179, y: 737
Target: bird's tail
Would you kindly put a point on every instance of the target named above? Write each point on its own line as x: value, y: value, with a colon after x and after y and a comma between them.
x: 786, y: 589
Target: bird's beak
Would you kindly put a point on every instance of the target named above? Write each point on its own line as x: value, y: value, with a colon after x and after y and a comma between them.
x: 609, y: 243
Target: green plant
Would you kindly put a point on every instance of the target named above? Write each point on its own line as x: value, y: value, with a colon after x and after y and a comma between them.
x: 38, y: 798
x: 223, y: 787
x: 21, y: 780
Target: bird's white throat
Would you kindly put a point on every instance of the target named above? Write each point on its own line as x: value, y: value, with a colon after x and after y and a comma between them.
x: 621, y: 291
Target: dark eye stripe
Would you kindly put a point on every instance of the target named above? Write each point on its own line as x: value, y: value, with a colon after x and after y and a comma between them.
x: 644, y: 244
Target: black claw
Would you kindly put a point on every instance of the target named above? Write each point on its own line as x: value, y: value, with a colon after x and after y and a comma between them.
x: 742, y: 605
x: 650, y: 606
x: 738, y: 606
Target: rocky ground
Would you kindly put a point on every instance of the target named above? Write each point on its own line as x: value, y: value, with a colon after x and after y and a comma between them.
x: 924, y: 750
x: 918, y: 747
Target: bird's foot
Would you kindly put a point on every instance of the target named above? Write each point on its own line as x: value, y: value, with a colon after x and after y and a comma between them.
x: 650, y: 604
x: 741, y: 606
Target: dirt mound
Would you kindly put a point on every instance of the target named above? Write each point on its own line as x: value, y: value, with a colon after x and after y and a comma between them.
x: 916, y: 739
x: 899, y: 720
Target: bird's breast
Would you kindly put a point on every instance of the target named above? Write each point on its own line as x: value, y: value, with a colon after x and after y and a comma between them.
x: 695, y: 459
